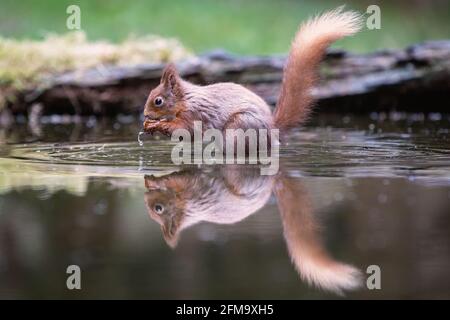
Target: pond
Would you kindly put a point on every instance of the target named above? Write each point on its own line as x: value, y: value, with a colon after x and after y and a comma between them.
x: 353, y: 192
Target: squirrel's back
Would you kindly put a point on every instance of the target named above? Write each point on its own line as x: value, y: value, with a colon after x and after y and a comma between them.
x: 218, y: 103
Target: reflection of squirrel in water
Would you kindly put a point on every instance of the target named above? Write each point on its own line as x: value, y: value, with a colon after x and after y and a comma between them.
x: 176, y: 103
x: 183, y: 199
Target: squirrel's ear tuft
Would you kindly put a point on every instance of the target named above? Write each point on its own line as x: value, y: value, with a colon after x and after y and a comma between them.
x: 170, y: 77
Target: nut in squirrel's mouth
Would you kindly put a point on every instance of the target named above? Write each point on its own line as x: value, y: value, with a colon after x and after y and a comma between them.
x: 152, y: 125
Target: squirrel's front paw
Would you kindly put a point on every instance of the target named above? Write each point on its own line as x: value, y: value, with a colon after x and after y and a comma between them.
x: 152, y: 126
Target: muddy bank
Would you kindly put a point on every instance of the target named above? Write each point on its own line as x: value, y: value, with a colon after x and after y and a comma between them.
x: 415, y: 79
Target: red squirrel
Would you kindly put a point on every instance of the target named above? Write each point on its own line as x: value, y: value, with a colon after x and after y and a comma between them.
x: 176, y: 103
x: 182, y: 199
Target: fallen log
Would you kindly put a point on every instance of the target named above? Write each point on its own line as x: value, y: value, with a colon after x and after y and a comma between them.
x: 415, y: 79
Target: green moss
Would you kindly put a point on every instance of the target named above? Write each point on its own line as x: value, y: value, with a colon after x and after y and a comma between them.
x: 25, y: 63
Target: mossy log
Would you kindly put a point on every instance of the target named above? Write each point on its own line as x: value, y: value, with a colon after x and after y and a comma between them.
x: 415, y: 79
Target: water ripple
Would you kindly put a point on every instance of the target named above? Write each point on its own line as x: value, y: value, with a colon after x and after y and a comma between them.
x: 329, y: 153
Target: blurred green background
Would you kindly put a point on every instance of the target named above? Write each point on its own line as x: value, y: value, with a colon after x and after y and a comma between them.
x: 250, y: 27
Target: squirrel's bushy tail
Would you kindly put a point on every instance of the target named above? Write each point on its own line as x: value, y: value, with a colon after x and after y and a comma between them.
x: 304, y: 242
x: 307, y: 50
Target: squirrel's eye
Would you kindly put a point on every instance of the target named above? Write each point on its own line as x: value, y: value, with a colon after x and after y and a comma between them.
x: 159, y: 101
x: 159, y: 208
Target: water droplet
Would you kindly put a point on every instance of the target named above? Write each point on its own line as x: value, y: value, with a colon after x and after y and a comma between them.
x: 90, y: 123
x: 346, y: 120
x: 141, y: 143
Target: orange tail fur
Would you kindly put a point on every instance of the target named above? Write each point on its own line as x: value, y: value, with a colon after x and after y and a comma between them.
x: 304, y: 242
x: 307, y: 50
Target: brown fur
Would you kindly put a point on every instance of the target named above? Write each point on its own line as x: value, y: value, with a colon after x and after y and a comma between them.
x: 228, y: 105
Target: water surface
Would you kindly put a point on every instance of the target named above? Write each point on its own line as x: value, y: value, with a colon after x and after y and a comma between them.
x: 351, y: 192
